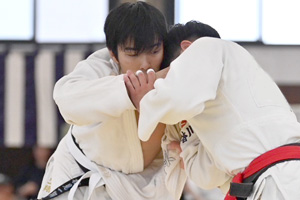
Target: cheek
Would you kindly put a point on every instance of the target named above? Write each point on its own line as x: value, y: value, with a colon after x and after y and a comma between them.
x: 158, y: 60
x: 128, y: 63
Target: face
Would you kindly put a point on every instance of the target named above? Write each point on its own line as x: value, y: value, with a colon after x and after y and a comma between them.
x: 130, y: 59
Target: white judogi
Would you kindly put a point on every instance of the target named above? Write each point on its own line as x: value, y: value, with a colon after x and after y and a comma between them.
x: 236, y: 113
x: 175, y: 176
x: 93, y: 98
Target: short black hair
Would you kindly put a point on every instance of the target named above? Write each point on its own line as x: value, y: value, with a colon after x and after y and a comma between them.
x: 191, y: 31
x: 138, y: 22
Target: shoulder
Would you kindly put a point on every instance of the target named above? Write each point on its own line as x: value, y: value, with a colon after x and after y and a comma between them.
x: 215, y: 44
x: 100, y: 60
x: 211, y: 41
x: 100, y: 54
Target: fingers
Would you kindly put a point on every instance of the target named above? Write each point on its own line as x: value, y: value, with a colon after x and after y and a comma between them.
x: 141, y: 77
x: 130, y: 80
x: 139, y: 81
x: 175, y: 145
x: 148, y: 78
x: 151, y: 76
x: 181, y: 163
x: 128, y: 84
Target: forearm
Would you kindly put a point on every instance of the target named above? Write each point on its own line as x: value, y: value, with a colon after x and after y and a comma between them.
x: 152, y: 147
x: 199, y: 166
x: 162, y: 73
x: 87, y: 96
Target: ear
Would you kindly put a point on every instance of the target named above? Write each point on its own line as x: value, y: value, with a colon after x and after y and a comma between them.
x: 185, y: 44
x: 112, y: 55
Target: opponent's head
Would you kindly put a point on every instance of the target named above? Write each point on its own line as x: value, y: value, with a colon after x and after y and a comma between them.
x: 181, y: 36
x: 135, y: 35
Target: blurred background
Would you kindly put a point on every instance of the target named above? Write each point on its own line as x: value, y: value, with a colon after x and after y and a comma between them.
x: 40, y: 41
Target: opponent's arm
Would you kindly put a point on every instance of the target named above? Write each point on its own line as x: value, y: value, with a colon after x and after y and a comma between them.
x: 137, y: 86
x: 198, y: 163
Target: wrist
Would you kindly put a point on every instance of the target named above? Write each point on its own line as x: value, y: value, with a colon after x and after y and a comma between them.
x: 162, y: 73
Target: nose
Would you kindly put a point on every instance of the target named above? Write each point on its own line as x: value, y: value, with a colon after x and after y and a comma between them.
x: 145, y: 63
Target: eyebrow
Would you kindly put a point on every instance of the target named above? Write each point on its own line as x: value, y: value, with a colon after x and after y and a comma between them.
x: 150, y: 47
x: 130, y: 49
x: 155, y: 45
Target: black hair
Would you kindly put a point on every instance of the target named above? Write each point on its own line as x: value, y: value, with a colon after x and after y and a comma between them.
x: 138, y: 22
x: 191, y: 31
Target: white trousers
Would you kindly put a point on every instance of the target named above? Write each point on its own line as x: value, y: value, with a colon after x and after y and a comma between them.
x: 61, y: 168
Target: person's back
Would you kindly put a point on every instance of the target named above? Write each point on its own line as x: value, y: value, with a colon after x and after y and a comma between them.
x: 243, y: 104
x: 231, y: 114
x: 244, y: 111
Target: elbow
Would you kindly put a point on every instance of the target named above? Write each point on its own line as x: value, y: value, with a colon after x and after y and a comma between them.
x: 206, y: 177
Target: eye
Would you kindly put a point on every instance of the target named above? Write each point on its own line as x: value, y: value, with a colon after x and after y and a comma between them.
x: 156, y: 50
x: 131, y: 53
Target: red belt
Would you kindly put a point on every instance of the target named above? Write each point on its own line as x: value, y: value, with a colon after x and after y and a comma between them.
x: 242, y: 183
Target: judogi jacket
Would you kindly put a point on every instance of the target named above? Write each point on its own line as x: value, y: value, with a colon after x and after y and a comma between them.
x: 234, y: 109
x: 94, y: 100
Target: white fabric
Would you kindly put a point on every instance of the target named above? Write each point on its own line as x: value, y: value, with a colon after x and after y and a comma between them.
x: 94, y: 174
x: 234, y: 108
x: 146, y: 185
x: 205, y: 171
x: 175, y: 176
x: 61, y: 168
x: 94, y: 100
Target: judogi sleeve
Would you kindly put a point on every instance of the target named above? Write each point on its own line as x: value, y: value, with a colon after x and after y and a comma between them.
x: 192, y: 80
x: 176, y: 177
x: 92, y: 92
x: 200, y: 167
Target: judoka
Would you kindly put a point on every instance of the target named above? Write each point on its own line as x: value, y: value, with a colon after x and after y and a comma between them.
x: 240, y: 129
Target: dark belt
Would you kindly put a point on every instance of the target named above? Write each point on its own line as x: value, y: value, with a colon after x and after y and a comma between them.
x: 69, y: 184
x: 66, y: 187
x: 82, y: 167
x: 242, y: 183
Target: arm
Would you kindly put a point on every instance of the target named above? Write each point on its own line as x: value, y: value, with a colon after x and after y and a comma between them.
x: 137, y: 86
x: 192, y: 80
x: 175, y: 146
x: 162, y: 73
x: 199, y: 166
x: 173, y: 166
x: 92, y: 92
